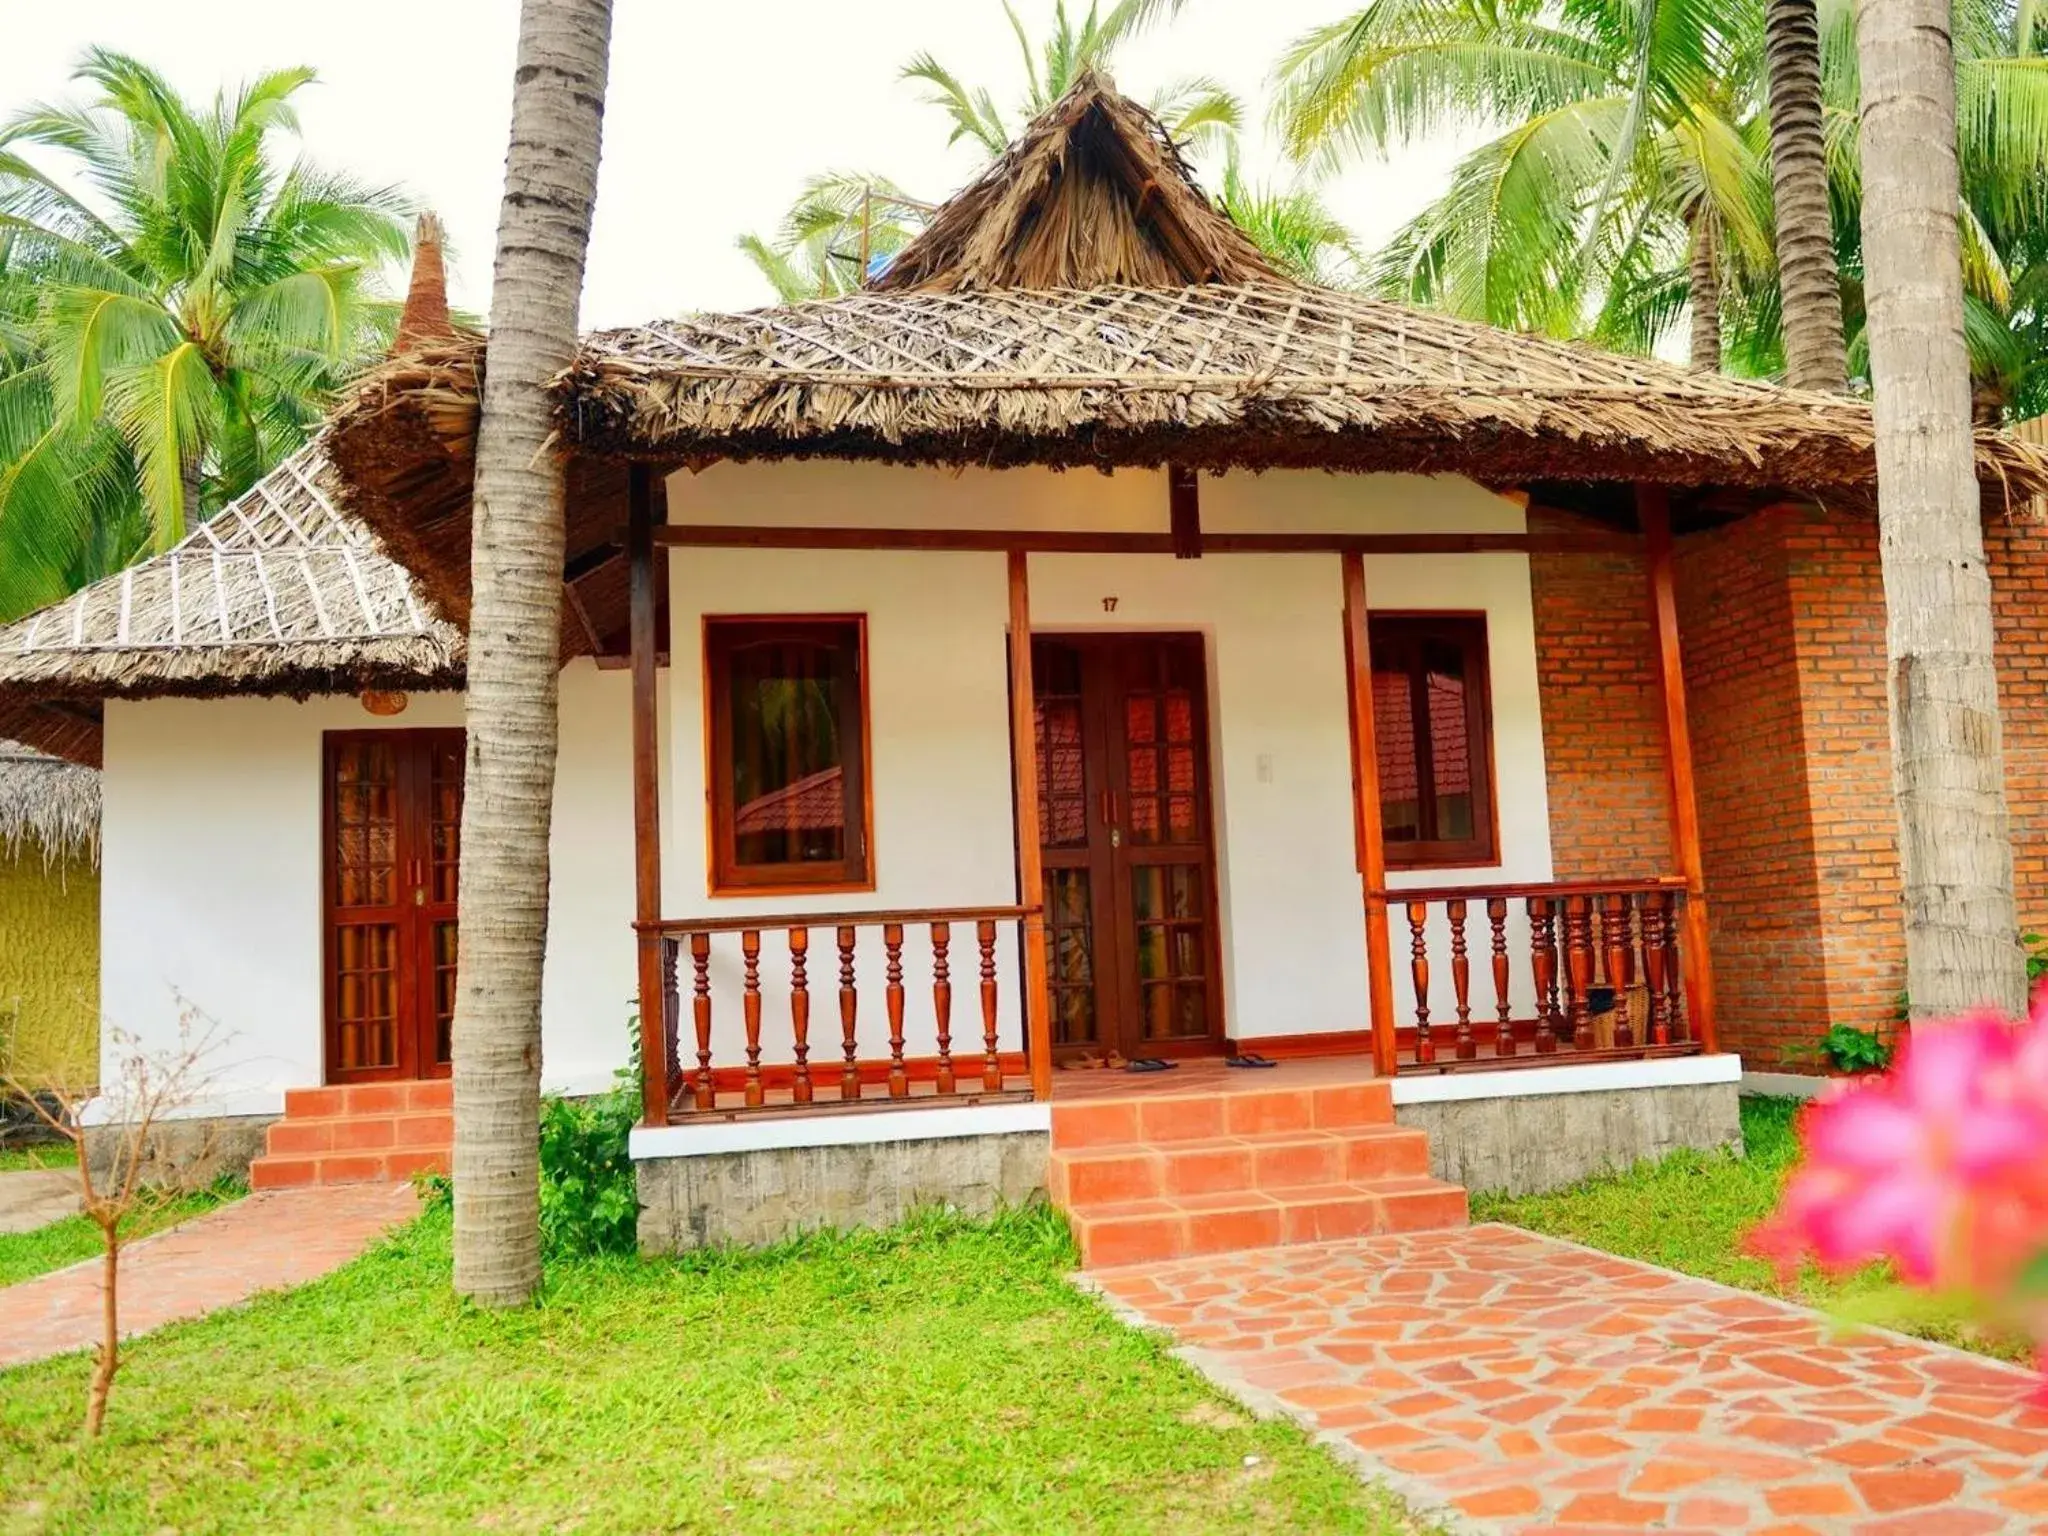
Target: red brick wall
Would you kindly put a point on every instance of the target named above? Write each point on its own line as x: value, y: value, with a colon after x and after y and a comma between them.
x: 1736, y: 632
x: 2018, y: 556
x: 1603, y: 713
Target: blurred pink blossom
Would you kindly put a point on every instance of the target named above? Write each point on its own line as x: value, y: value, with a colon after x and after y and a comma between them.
x: 1940, y: 1165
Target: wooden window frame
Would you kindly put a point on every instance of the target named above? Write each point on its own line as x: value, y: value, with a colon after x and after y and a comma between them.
x: 726, y: 876
x: 1468, y: 630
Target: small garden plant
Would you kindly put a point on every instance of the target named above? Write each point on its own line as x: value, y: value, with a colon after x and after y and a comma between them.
x: 1854, y: 1050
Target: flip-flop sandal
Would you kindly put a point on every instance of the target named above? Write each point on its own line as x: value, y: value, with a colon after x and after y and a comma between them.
x: 1249, y: 1061
x: 1149, y: 1064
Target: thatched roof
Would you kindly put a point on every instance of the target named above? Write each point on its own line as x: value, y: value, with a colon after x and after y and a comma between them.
x: 281, y: 592
x: 1083, y: 303
x: 1094, y: 194
x: 47, y: 806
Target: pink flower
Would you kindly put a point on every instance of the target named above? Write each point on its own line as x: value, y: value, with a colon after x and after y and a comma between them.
x: 1938, y: 1165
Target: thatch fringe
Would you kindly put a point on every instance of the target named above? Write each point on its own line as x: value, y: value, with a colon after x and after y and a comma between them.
x: 49, y: 805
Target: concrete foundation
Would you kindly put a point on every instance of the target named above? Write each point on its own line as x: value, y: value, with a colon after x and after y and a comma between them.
x: 1525, y: 1145
x: 763, y: 1196
x: 186, y: 1154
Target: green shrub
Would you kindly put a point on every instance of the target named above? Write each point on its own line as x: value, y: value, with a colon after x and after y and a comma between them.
x: 589, y: 1201
x: 1856, y: 1050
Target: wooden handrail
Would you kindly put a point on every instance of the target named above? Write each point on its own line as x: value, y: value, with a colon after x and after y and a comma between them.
x: 767, y: 920
x: 1535, y: 888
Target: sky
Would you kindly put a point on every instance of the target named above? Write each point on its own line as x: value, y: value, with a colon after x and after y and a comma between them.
x: 717, y: 110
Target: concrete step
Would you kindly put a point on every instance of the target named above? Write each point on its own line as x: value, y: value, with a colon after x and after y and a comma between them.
x: 286, y: 1172
x: 1161, y: 1115
x: 1082, y: 1176
x: 1160, y: 1230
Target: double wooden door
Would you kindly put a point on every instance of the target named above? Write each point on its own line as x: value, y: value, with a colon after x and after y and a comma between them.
x: 1125, y: 834
x: 393, y: 828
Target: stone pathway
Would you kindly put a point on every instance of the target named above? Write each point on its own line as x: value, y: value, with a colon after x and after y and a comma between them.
x: 1510, y: 1382
x: 260, y: 1243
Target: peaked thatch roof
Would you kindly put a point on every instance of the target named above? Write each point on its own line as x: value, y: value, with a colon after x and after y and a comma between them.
x: 47, y: 806
x: 281, y: 592
x: 1095, y: 194
x: 1083, y: 303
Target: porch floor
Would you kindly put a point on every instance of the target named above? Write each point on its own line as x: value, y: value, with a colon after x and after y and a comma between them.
x: 1205, y: 1075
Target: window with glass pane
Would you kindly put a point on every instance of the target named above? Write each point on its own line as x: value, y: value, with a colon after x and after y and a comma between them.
x: 788, y: 753
x: 1433, y: 724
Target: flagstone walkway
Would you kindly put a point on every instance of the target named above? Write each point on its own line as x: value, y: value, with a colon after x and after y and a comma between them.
x: 1505, y: 1382
x: 261, y: 1243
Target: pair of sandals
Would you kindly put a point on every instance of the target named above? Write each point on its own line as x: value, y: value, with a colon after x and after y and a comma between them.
x: 1244, y: 1059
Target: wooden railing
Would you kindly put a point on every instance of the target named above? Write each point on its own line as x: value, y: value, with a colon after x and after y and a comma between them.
x: 774, y: 1063
x: 1590, y: 969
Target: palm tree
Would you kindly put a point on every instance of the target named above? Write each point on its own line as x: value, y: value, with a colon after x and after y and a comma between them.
x: 1809, y: 278
x: 194, y: 311
x: 1955, y: 852
x: 843, y: 222
x: 515, y: 620
x: 1622, y: 179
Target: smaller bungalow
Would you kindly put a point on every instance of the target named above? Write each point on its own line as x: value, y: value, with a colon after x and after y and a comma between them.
x: 49, y: 919
x: 1084, y: 713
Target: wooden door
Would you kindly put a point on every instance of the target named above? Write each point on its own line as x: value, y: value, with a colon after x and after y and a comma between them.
x: 393, y: 819
x: 1123, y: 765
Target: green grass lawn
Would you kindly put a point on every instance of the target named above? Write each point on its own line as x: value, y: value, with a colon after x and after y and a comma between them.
x: 1691, y: 1211
x: 25, y: 1254
x: 939, y: 1378
x: 53, y: 1154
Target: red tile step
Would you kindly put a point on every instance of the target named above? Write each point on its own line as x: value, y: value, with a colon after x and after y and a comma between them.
x: 1166, y: 1175
x: 364, y: 1133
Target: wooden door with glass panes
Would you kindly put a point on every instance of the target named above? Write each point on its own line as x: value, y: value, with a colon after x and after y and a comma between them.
x: 393, y: 819
x: 1129, y: 860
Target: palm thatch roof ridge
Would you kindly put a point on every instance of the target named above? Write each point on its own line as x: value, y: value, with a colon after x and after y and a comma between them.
x: 282, y: 592
x: 1093, y: 194
x: 48, y: 804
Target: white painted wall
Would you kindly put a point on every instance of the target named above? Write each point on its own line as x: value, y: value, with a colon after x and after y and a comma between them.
x: 211, y: 882
x: 1292, y: 927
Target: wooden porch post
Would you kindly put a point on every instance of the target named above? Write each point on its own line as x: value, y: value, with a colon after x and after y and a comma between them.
x: 1653, y: 510
x: 646, y: 795
x: 1030, y: 868
x: 1365, y: 787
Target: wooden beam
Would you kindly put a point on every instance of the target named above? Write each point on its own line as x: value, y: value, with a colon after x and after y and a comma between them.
x: 1184, y: 512
x: 1030, y: 867
x: 1653, y: 508
x: 1088, y: 541
x: 647, y: 797
x: 1365, y: 805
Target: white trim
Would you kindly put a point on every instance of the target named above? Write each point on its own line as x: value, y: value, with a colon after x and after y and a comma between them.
x: 758, y: 1133
x: 1786, y: 1085
x: 1588, y: 1077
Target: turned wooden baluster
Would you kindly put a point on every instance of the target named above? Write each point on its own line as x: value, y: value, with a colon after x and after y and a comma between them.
x: 800, y: 1012
x: 1616, y: 933
x: 1461, y: 978
x: 1418, y: 969
x: 1674, y: 976
x: 942, y: 1002
x: 892, y: 996
x: 992, y: 1061
x: 1578, y: 968
x: 750, y: 1003
x: 849, y: 1010
x: 700, y: 1010
x: 1543, y: 960
x: 1504, y: 1029
x: 1654, y: 918
x: 671, y: 1018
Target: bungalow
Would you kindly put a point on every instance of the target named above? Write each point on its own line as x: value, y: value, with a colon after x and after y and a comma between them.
x: 49, y: 919
x: 1420, y: 756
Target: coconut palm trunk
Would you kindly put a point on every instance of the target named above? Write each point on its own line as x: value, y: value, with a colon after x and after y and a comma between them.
x: 515, y: 621
x: 1816, y: 356
x: 1705, y: 287
x: 1948, y: 764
